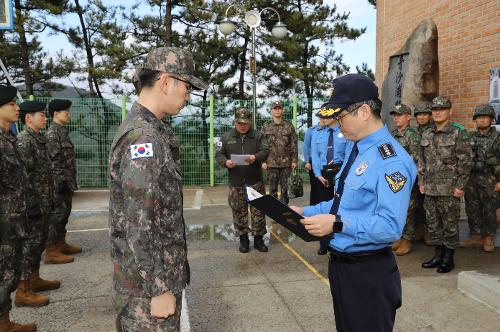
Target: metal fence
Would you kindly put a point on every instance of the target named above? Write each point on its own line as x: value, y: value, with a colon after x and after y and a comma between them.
x: 198, y: 128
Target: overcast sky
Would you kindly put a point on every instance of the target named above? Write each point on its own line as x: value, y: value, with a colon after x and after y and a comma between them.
x: 362, y: 14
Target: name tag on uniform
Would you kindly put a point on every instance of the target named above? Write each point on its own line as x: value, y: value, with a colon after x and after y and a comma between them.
x: 144, y: 150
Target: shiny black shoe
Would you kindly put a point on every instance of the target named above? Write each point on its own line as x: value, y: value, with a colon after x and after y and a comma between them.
x: 436, y: 260
x: 322, y: 251
x: 447, y: 264
x: 244, y: 244
x: 258, y: 243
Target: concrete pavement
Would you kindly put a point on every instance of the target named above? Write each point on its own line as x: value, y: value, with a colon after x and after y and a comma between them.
x: 230, y: 291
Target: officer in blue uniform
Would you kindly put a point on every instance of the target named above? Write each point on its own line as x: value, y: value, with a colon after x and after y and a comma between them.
x: 327, y: 154
x: 313, y: 181
x: 367, y: 214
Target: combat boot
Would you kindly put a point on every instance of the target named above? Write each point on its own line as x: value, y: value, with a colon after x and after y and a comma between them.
x: 244, y: 243
x: 38, y: 284
x: 475, y: 241
x: 396, y: 244
x: 53, y: 256
x: 68, y: 249
x: 489, y: 244
x: 447, y: 263
x: 7, y: 326
x: 404, y: 248
x: 26, y: 298
x: 258, y: 243
x: 436, y: 260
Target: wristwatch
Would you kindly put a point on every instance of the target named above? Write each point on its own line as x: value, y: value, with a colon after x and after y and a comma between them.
x: 337, y: 224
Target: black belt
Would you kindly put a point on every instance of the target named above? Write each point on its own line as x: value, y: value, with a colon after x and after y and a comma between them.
x: 358, y: 257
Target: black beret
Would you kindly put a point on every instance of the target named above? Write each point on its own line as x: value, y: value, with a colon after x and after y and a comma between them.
x: 32, y: 106
x: 7, y: 94
x: 350, y: 89
x: 59, y: 105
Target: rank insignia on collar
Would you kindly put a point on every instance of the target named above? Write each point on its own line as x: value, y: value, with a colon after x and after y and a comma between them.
x: 361, y: 168
x: 396, y: 181
x: 386, y: 150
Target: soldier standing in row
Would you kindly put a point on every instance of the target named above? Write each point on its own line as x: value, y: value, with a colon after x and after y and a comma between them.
x: 423, y: 116
x: 13, y: 191
x: 313, y: 181
x: 62, y: 155
x: 147, y: 230
x: 444, y: 166
x: 244, y: 140
x: 328, y: 151
x: 409, y: 139
x: 32, y: 146
x: 480, y: 194
x: 282, y: 140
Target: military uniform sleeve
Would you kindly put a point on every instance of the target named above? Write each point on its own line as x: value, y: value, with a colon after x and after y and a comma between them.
x: 262, y: 149
x: 414, y: 145
x: 394, y: 185
x: 463, y: 152
x: 293, y: 144
x: 56, y: 157
x: 25, y: 148
x: 140, y: 181
x: 496, y: 151
x: 421, y: 161
x: 221, y: 153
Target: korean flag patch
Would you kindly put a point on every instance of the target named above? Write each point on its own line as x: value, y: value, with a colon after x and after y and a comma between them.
x: 144, y: 150
x: 396, y: 181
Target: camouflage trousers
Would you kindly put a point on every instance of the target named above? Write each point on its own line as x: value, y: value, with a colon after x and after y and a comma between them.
x: 409, y: 230
x: 480, y: 203
x: 279, y: 176
x: 134, y: 315
x: 58, y: 218
x: 34, y: 244
x: 10, y: 256
x: 238, y: 202
x: 443, y: 213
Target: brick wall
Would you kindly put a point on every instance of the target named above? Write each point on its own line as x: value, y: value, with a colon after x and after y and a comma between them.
x: 468, y: 44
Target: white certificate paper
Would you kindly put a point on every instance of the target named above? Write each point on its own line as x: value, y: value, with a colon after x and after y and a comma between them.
x: 239, y: 159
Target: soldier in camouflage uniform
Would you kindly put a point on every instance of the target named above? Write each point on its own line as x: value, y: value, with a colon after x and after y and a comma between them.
x: 409, y: 138
x: 62, y: 156
x: 282, y: 139
x: 444, y: 166
x: 480, y: 195
x: 423, y: 115
x: 244, y: 140
x: 13, y: 190
x: 147, y: 230
x: 32, y: 146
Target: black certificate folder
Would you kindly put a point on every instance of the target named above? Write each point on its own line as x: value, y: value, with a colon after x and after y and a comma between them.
x: 279, y: 212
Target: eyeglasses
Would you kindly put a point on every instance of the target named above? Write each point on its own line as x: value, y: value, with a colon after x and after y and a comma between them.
x: 189, y: 87
x: 350, y: 109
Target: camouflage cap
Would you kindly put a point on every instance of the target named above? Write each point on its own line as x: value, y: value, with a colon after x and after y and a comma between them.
x: 175, y: 61
x: 243, y: 115
x: 277, y: 104
x: 423, y: 107
x: 400, y: 109
x: 484, y: 109
x: 441, y: 102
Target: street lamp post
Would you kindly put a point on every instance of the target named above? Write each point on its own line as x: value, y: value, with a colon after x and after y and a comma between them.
x: 253, y: 19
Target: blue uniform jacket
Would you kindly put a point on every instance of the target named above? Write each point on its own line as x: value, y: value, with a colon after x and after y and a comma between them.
x: 376, y: 195
x: 319, y: 147
x: 307, y: 142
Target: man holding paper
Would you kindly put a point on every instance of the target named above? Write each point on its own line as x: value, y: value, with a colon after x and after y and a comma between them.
x: 368, y: 211
x: 244, y: 142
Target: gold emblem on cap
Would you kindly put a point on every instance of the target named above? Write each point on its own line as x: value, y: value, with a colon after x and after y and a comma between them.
x: 329, y: 111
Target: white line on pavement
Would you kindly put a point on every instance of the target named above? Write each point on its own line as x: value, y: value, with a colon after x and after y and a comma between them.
x: 185, y: 326
x: 198, y: 197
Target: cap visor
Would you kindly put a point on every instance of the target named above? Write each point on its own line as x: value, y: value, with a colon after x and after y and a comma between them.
x: 197, y: 83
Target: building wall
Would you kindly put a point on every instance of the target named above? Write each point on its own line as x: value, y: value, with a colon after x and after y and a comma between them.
x: 468, y: 44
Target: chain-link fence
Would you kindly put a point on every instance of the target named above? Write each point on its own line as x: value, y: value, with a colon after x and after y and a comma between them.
x: 198, y: 128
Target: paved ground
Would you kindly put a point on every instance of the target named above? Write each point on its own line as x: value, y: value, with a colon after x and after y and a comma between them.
x: 282, y: 290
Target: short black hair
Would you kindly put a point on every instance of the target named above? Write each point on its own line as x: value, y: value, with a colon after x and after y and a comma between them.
x: 375, y: 106
x: 146, y: 78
